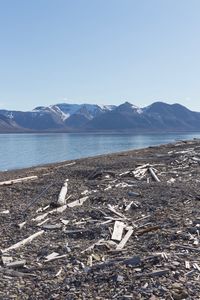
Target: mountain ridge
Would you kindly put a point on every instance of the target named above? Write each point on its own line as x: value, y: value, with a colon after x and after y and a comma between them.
x: 65, y: 117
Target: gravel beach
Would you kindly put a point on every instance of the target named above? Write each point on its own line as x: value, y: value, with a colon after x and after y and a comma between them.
x: 128, y: 227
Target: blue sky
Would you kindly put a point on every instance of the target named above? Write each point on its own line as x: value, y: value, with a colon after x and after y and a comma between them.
x: 99, y: 51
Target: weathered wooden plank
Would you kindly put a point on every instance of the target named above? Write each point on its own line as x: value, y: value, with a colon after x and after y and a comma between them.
x: 125, y: 239
x: 118, y: 231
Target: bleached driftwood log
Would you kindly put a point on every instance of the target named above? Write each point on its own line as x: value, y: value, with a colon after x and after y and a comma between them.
x: 9, y: 182
x: 153, y: 174
x: 23, y: 242
x: 63, y: 193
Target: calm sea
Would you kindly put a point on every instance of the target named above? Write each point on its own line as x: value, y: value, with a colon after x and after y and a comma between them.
x: 26, y: 150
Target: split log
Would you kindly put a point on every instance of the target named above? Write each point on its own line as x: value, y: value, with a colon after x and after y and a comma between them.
x: 63, y: 193
x: 118, y: 231
x: 23, y: 242
x: 9, y: 182
x: 125, y: 239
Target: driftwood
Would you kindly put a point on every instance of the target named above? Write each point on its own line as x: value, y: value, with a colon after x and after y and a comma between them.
x: 92, y: 246
x: 52, y: 255
x: 9, y: 182
x: 154, y: 273
x: 56, y: 257
x: 128, y: 206
x: 6, y: 259
x: 133, y: 261
x: 16, y: 264
x: 21, y: 225
x: 65, y: 165
x: 65, y: 222
x: 112, y: 209
x: 63, y: 193
x: 52, y: 226
x: 23, y: 242
x: 118, y: 231
x: 55, y: 210
x: 77, y: 202
x: 10, y: 272
x: 43, y: 222
x: 59, y: 272
x: 4, y: 212
x: 153, y: 174
x: 146, y: 230
x: 41, y: 209
x: 40, y: 217
x: 125, y: 239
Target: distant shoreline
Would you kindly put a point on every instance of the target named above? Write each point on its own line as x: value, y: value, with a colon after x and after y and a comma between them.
x: 104, y: 131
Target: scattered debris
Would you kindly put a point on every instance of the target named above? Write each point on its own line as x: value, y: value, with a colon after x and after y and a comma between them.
x: 125, y: 226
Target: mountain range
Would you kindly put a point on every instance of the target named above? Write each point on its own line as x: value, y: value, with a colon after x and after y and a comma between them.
x: 65, y: 117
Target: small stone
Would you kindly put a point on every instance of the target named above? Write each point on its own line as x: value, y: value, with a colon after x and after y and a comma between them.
x: 120, y: 278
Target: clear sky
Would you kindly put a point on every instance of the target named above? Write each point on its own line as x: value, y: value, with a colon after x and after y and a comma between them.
x: 99, y: 51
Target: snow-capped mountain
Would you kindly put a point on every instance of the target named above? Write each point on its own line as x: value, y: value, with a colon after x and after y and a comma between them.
x: 83, y: 117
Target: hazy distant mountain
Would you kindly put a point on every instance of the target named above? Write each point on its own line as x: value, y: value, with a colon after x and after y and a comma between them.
x: 7, y: 124
x: 92, y: 117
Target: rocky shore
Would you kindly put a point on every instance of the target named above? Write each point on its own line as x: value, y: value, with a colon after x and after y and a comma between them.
x: 119, y: 226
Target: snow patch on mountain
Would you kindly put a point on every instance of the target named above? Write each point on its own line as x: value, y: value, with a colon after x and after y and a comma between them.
x: 137, y: 109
